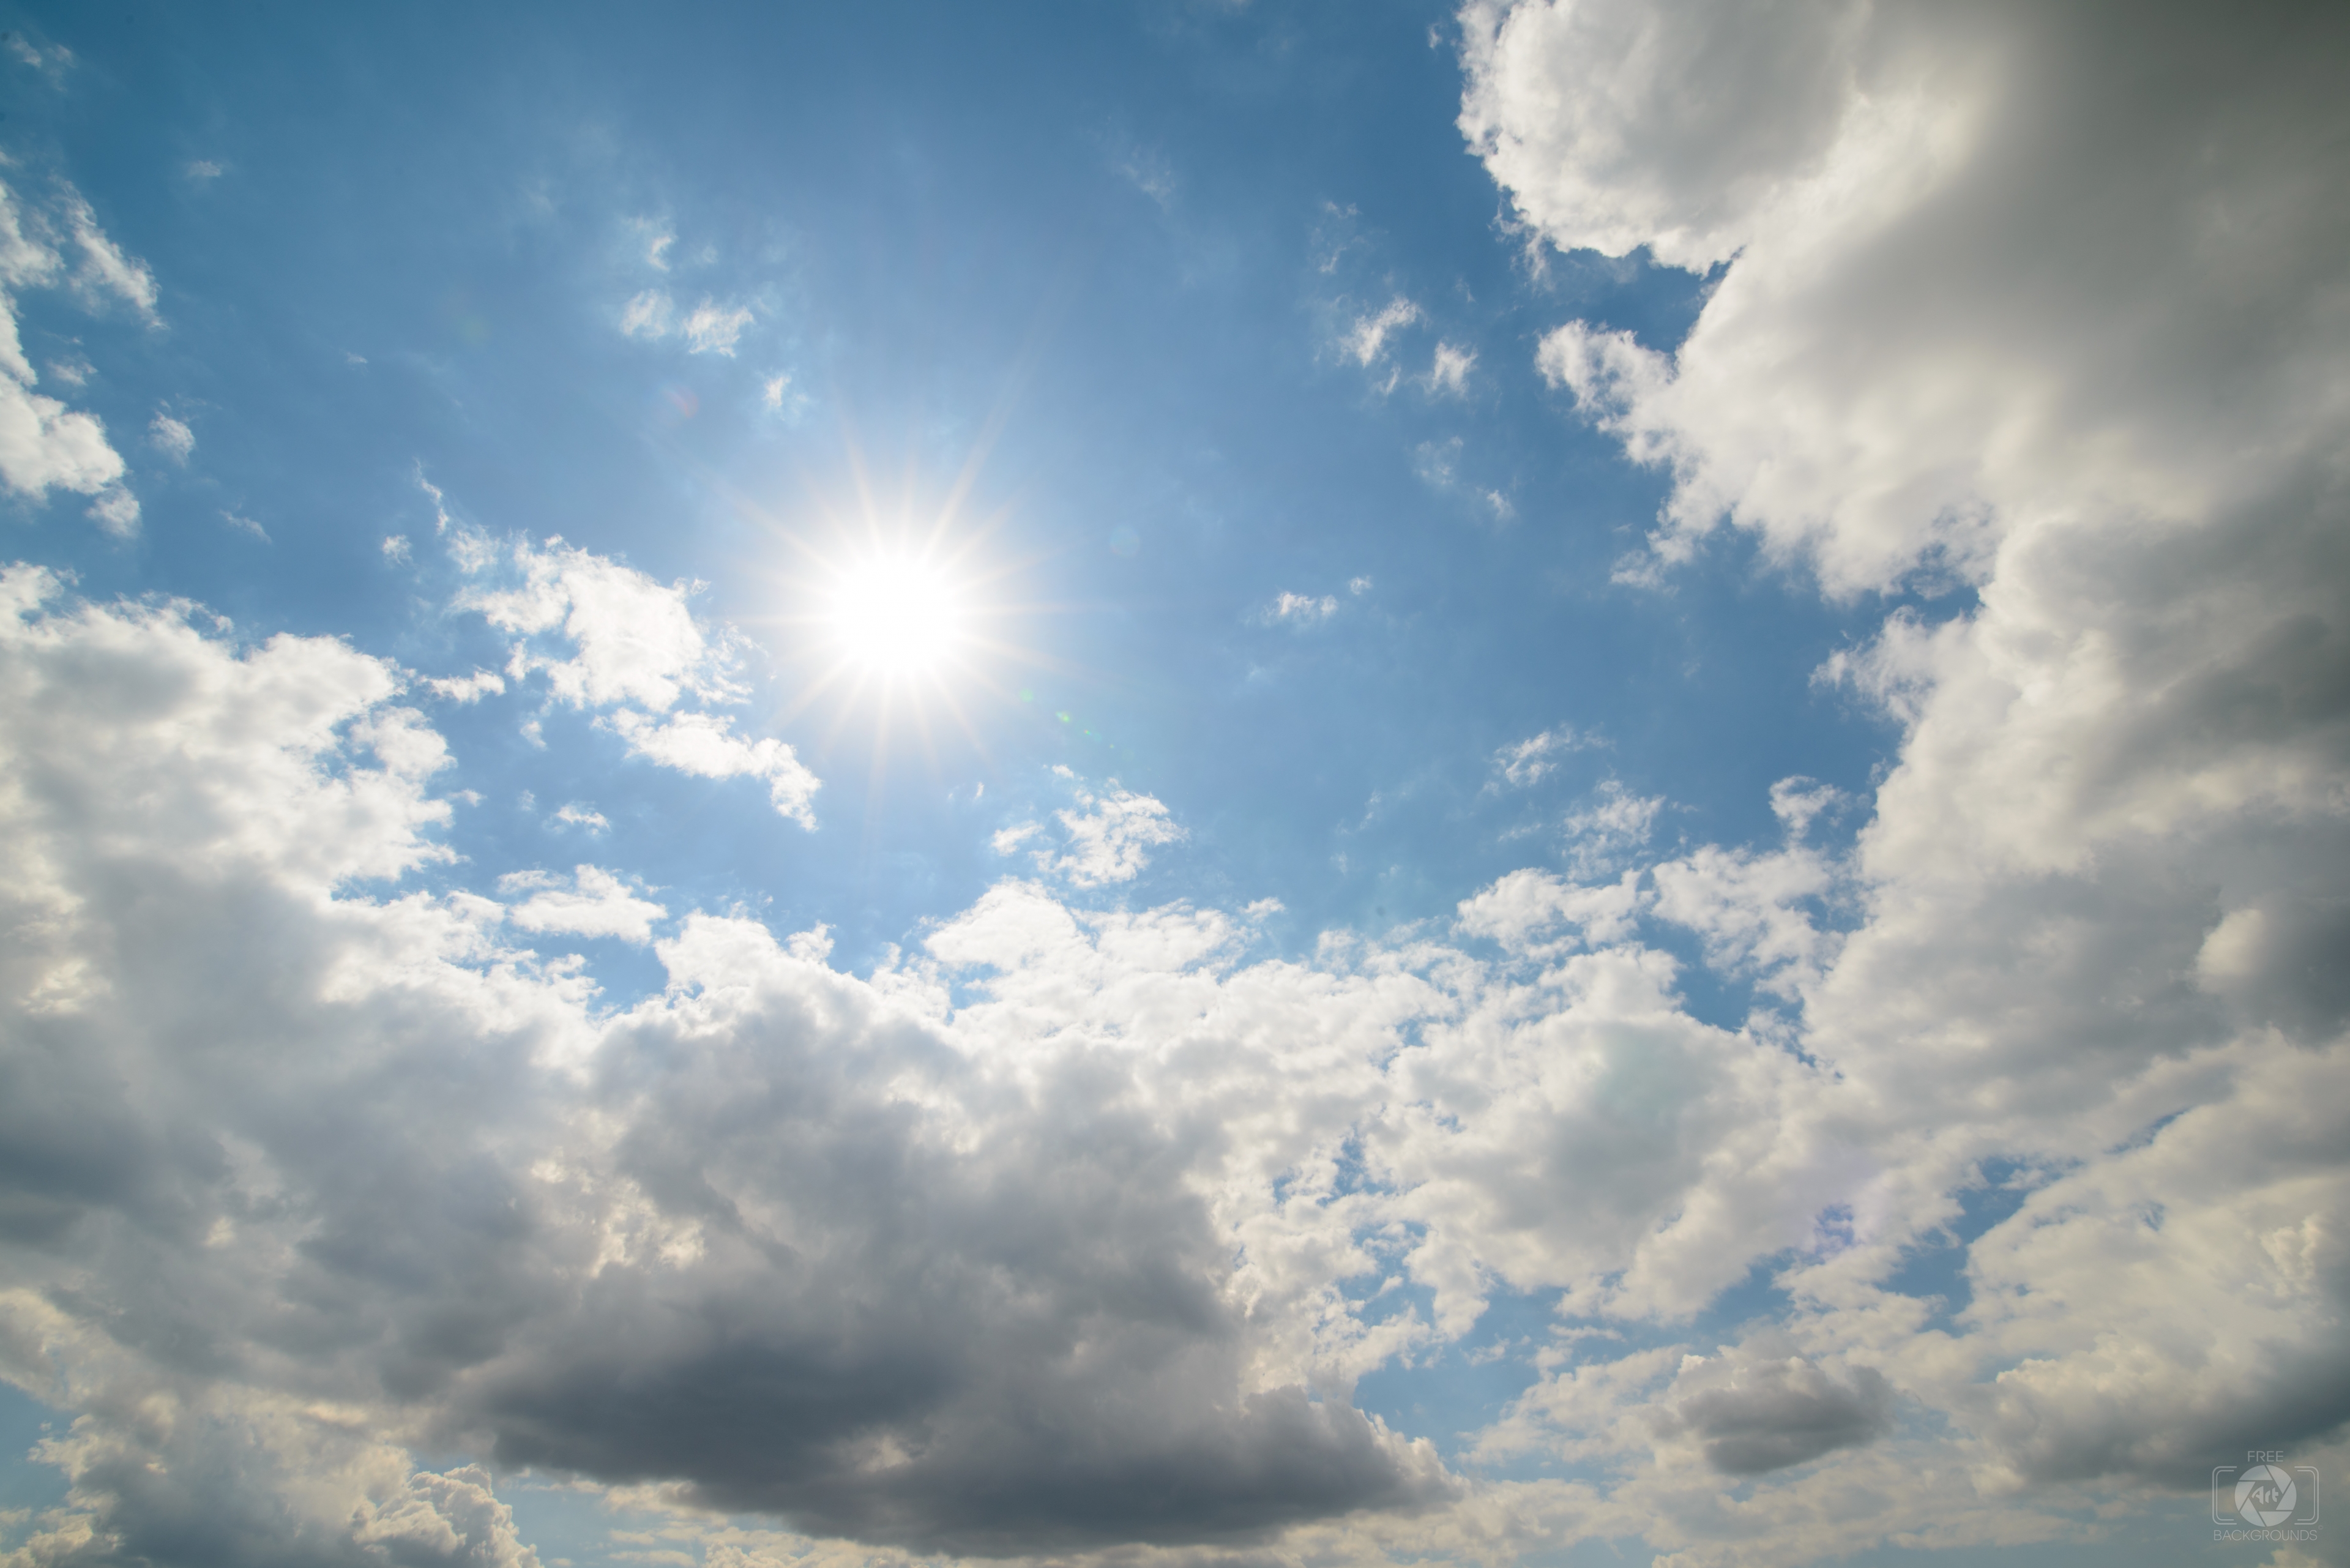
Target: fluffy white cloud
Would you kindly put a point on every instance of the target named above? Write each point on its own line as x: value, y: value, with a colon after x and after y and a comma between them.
x: 43, y: 445
x: 354, y: 1177
x: 606, y: 636
x: 784, y: 1240
x: 1104, y: 837
x: 705, y: 745
x: 2045, y: 306
x: 595, y: 903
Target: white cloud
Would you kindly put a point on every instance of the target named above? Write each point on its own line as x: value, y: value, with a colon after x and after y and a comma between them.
x: 1798, y: 802
x: 1106, y: 837
x: 172, y: 437
x: 605, y: 636
x: 648, y: 314
x: 43, y: 445
x: 463, y: 688
x: 1535, y: 758
x: 1366, y: 339
x: 397, y: 549
x: 1616, y: 823
x: 245, y: 525
x: 1518, y: 909
x: 1449, y: 371
x: 712, y: 329
x: 1297, y: 609
x: 116, y: 510
x: 202, y: 171
x: 105, y: 268
x: 708, y: 328
x: 573, y: 813
x: 53, y: 61
x: 842, y: 1172
x: 1996, y: 308
x: 630, y: 638
x: 595, y: 903
x: 705, y: 745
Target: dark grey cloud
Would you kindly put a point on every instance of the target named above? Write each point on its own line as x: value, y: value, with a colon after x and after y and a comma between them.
x: 1751, y: 1415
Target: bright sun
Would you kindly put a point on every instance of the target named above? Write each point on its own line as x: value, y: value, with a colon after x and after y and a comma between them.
x: 897, y: 616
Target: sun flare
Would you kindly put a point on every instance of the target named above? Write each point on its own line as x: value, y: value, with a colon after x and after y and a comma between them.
x: 897, y: 616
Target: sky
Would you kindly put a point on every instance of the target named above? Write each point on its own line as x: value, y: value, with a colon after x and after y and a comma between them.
x: 1174, y: 784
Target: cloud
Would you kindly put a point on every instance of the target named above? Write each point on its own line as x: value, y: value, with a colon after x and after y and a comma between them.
x: 705, y: 744
x: 774, y: 1236
x: 1754, y: 1413
x: 43, y: 445
x: 1449, y: 371
x: 648, y: 314
x: 202, y: 171
x: 1519, y: 908
x: 601, y: 633
x: 245, y: 525
x: 1534, y: 759
x: 605, y: 636
x: 1366, y: 339
x: 1989, y: 308
x: 708, y: 328
x: 573, y: 815
x: 1106, y: 837
x: 1297, y: 609
x: 1058, y: 1217
x: 462, y: 688
x: 172, y: 437
x: 596, y: 904
x: 714, y: 329
x: 116, y: 510
x: 1438, y: 464
x: 1613, y: 825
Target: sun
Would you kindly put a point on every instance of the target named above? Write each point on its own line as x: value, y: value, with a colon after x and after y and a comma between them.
x: 897, y: 616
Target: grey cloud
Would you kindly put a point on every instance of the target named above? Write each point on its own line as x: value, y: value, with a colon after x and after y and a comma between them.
x: 1751, y: 1415
x: 767, y: 1237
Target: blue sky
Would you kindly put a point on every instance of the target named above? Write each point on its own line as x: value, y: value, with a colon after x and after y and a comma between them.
x: 1624, y: 846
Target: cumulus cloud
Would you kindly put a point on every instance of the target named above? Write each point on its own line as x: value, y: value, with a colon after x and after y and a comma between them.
x: 607, y: 636
x: 1062, y: 1231
x: 1752, y: 1413
x: 705, y: 745
x: 1991, y: 308
x: 43, y: 445
x: 943, y: 1285
x: 463, y: 688
x: 595, y: 902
